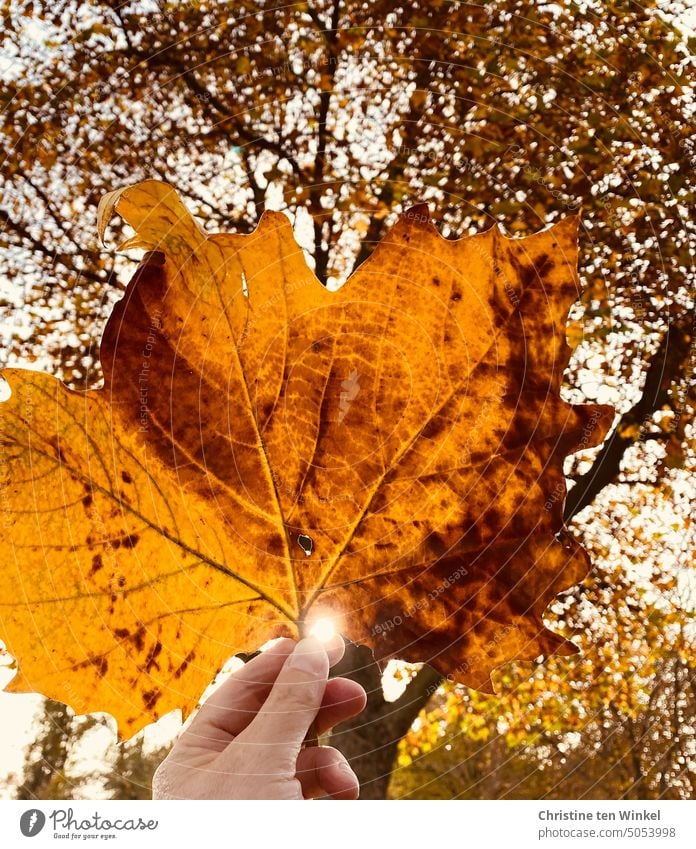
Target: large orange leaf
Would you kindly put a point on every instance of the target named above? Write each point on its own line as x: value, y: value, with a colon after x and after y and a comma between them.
x: 265, y: 451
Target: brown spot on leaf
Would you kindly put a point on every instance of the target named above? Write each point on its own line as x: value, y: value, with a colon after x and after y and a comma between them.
x: 541, y: 267
x: 438, y: 545
x: 97, y: 564
x: 434, y: 427
x: 139, y: 638
x: 153, y: 654
x: 275, y: 546
x: 99, y: 662
x: 150, y: 698
x: 179, y: 671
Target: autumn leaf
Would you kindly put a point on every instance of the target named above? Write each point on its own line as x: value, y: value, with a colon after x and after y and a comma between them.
x: 265, y: 452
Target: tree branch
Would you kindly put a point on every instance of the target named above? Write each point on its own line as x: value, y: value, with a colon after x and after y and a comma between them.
x: 392, y: 175
x: 258, y: 193
x: 66, y: 260
x: 666, y: 366
x: 321, y: 253
x: 207, y: 97
x: 60, y: 221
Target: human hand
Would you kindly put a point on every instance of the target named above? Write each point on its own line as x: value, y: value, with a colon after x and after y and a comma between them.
x: 247, y: 740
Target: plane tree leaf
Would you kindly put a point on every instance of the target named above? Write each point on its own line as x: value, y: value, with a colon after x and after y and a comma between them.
x: 265, y: 452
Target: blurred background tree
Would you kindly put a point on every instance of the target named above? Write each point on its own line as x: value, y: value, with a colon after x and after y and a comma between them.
x: 60, y: 762
x: 342, y: 113
x: 45, y: 765
x: 616, y: 721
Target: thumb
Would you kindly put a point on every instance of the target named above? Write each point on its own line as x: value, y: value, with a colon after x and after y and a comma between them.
x: 294, y: 700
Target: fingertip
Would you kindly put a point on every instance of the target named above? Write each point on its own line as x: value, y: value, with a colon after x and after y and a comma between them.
x: 340, y: 782
x: 309, y: 656
x: 324, y: 771
x: 356, y: 694
x: 335, y: 648
x: 283, y: 645
x: 347, y: 694
x: 342, y: 700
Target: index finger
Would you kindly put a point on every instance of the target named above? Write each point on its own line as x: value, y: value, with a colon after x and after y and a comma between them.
x: 230, y: 709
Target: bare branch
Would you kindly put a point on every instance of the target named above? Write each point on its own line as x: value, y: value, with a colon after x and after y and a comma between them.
x: 66, y: 260
x: 666, y: 367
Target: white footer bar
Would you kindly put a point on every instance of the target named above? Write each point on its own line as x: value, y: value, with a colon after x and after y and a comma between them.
x: 349, y: 825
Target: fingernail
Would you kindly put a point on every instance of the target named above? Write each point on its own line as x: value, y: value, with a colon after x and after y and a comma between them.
x: 308, y: 656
